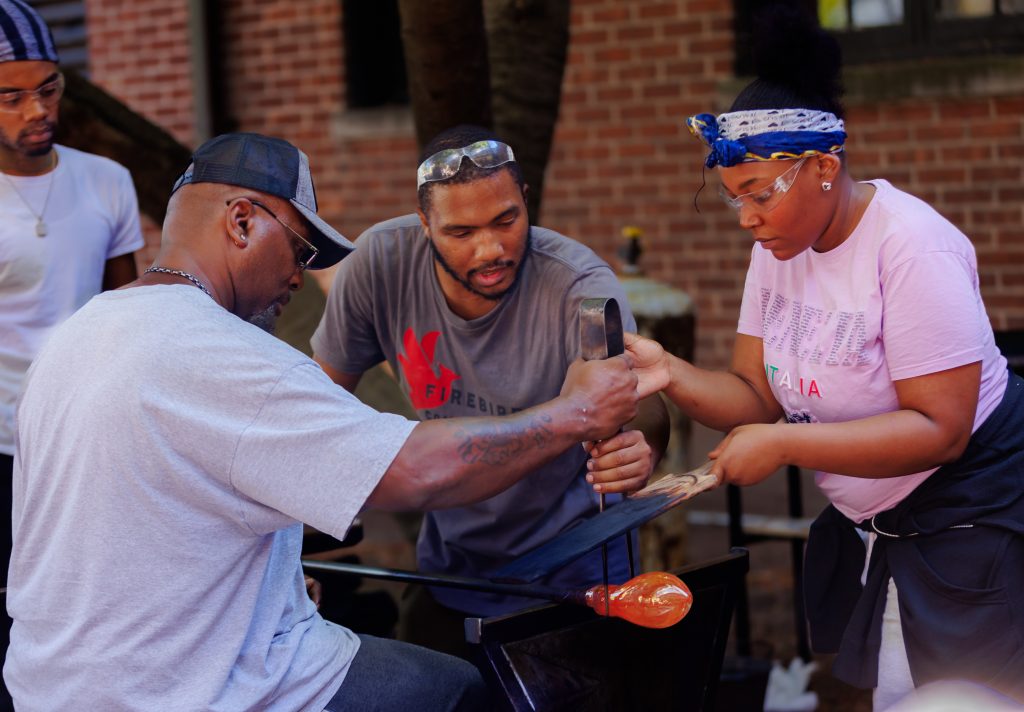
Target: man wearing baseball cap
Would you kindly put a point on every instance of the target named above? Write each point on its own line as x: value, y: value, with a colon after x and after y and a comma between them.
x: 69, y: 225
x: 168, y: 451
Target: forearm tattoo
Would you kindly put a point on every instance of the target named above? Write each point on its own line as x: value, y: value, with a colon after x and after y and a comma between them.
x: 499, y: 444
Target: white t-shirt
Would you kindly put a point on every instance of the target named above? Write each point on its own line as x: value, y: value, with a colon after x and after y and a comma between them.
x: 898, y: 299
x: 166, y: 453
x: 91, y: 216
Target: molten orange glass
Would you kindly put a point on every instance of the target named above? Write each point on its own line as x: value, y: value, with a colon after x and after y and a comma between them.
x: 653, y: 600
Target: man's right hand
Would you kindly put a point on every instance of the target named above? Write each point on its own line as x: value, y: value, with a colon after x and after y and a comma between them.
x: 604, y: 395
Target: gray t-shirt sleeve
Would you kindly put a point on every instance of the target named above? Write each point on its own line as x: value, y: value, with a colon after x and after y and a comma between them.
x: 313, y: 453
x: 346, y: 338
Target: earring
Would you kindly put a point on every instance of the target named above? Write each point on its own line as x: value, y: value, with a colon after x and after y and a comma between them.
x: 242, y: 237
x: 826, y: 186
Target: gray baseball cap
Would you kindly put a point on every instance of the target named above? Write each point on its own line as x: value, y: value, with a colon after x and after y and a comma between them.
x: 273, y: 166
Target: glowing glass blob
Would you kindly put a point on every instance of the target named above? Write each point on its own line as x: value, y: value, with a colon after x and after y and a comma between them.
x: 652, y: 600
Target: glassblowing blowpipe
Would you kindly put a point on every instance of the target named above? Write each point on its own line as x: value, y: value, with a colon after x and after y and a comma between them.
x: 652, y: 600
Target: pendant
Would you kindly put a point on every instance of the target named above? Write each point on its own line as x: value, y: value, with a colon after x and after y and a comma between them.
x: 40, y: 228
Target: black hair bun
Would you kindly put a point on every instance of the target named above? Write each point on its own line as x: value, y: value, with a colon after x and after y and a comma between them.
x: 794, y: 54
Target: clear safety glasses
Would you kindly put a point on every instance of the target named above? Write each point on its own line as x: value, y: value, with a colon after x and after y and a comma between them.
x: 14, y: 102
x: 765, y: 199
x: 445, y: 164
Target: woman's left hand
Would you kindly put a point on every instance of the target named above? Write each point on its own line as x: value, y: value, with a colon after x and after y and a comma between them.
x: 314, y: 590
x: 748, y: 454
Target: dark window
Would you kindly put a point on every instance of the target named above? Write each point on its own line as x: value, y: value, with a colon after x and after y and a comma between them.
x: 879, y: 30
x: 66, y: 19
x: 374, y: 60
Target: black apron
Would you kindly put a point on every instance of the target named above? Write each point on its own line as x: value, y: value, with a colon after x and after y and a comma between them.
x: 955, y: 548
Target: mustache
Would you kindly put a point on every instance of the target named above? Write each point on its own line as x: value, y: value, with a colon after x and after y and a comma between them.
x: 497, y: 264
x: 38, y: 126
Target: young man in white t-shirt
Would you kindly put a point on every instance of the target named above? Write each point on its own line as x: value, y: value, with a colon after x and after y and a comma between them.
x: 69, y: 226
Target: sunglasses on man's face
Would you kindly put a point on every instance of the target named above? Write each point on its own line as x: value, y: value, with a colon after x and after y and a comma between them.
x: 445, y: 164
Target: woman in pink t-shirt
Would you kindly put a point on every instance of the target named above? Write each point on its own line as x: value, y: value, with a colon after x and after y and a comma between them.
x: 865, y: 354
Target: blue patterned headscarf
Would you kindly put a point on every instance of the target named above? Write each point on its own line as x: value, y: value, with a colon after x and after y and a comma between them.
x: 23, y: 34
x: 767, y: 135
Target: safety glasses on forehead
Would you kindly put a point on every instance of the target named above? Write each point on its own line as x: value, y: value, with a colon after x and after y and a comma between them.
x: 445, y: 164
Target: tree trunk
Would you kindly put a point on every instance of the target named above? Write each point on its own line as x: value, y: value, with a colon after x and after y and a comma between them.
x: 527, y: 44
x: 94, y: 121
x: 446, y: 64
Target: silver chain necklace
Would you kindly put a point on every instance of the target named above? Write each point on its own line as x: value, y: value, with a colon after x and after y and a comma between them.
x: 178, y: 273
x: 40, y: 223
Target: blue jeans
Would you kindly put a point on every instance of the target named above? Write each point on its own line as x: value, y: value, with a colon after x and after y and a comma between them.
x: 390, y: 675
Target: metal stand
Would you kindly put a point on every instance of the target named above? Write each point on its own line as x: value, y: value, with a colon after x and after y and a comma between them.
x: 738, y: 536
x: 564, y: 657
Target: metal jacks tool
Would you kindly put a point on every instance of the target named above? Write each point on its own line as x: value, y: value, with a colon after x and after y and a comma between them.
x: 601, y: 337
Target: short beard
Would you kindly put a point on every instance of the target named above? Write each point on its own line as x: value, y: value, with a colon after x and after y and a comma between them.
x: 41, y: 151
x: 468, y: 286
x: 266, y: 319
x: 16, y: 146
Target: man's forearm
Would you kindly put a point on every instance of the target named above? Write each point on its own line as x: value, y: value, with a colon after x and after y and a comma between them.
x: 452, y: 462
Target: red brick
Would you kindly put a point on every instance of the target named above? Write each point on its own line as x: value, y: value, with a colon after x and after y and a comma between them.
x: 637, y: 71
x: 1009, y: 106
x: 635, y: 32
x: 889, y: 134
x: 995, y: 173
x: 614, y: 54
x: 589, y: 37
x: 617, y: 94
x: 950, y: 174
x: 612, y: 15
x: 659, y: 10
x: 917, y: 113
x: 682, y: 28
x: 965, y: 110
x: 1003, y: 128
x: 977, y: 152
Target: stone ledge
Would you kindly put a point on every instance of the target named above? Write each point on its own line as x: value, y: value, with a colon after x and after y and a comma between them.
x: 383, y: 122
x: 935, y: 78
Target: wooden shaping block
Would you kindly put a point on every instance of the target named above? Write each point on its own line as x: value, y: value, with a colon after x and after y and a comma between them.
x: 638, y: 508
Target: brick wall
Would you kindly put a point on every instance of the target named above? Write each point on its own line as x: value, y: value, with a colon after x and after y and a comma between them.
x: 286, y: 65
x: 139, y: 52
x: 964, y: 157
x: 621, y: 156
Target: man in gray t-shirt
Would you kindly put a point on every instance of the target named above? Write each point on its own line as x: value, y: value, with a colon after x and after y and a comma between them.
x: 478, y: 313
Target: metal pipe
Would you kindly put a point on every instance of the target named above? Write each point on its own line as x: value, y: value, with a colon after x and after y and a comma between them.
x: 446, y: 581
x: 199, y: 52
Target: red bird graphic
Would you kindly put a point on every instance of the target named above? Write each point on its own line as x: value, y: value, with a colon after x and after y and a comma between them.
x: 427, y: 389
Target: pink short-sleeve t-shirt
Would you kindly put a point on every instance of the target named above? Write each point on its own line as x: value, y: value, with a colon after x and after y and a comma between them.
x: 898, y: 299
